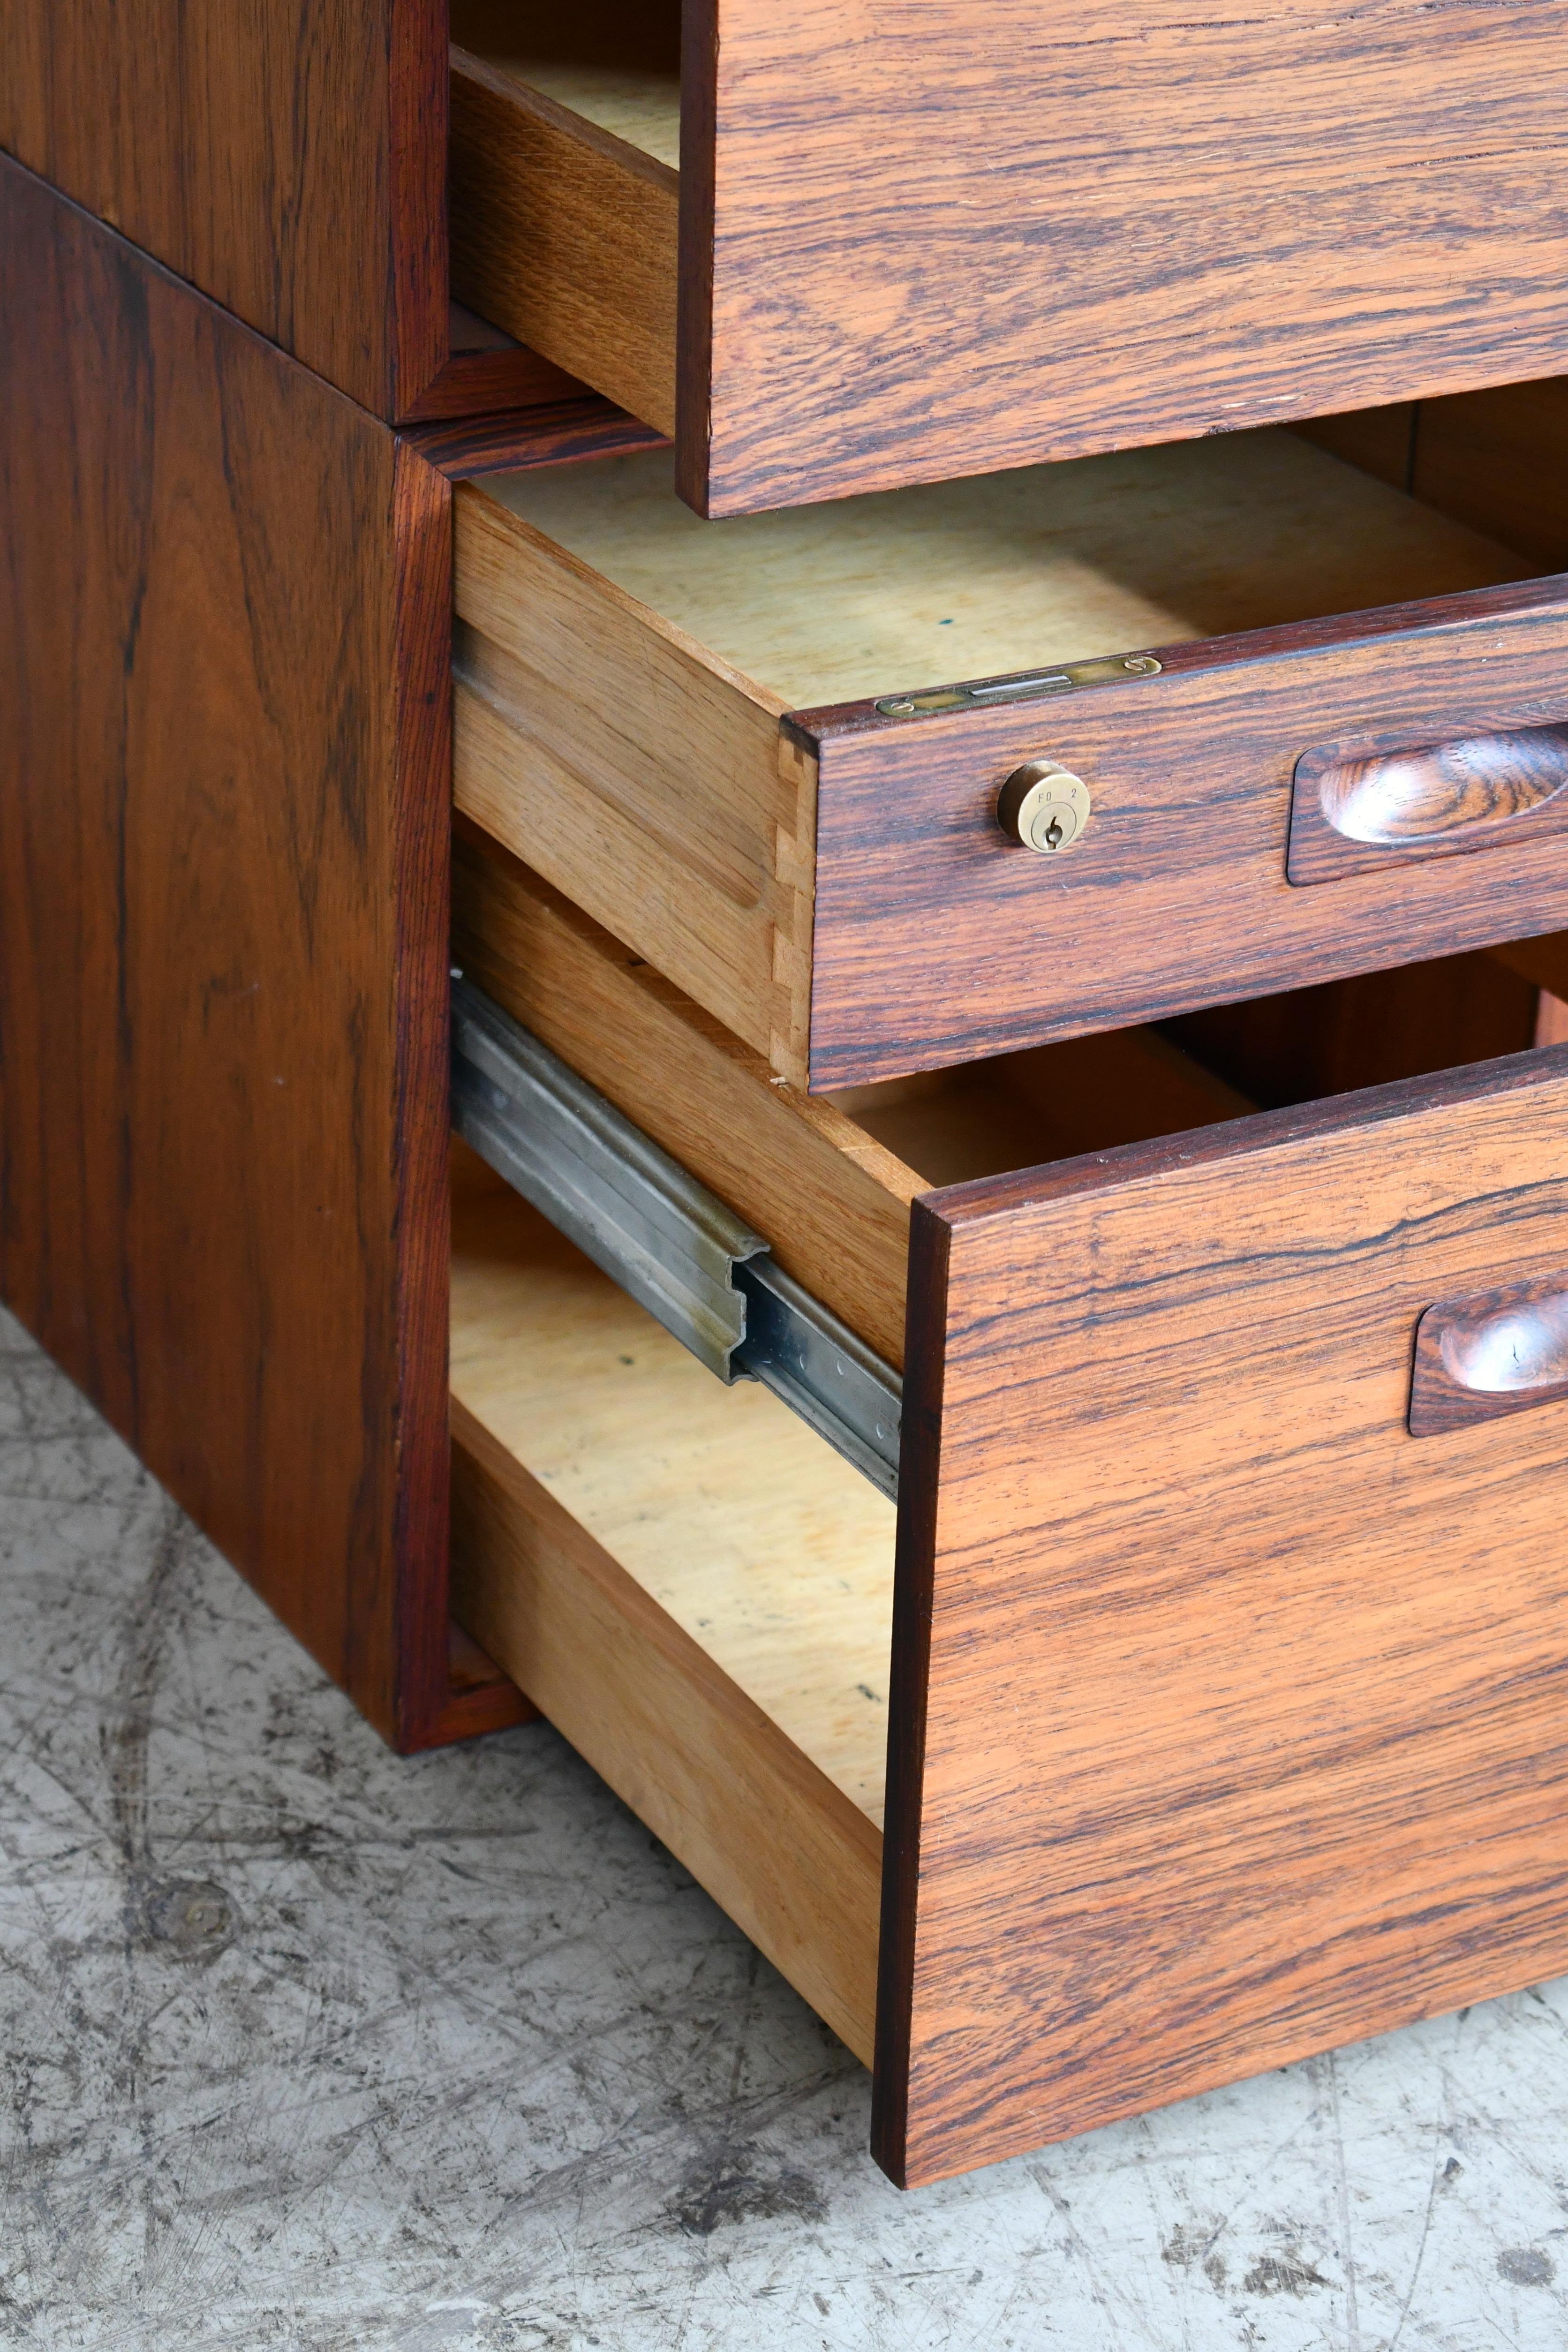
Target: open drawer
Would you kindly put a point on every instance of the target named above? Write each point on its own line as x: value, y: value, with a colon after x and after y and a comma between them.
x: 1195, y: 1715
x: 1270, y: 718
x: 949, y: 240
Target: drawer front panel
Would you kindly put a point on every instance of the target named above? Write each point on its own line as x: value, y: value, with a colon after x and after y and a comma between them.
x: 977, y: 239
x: 1230, y: 1714
x: 937, y: 939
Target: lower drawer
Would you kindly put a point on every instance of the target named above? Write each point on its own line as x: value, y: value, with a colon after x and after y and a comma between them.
x: 1200, y: 1704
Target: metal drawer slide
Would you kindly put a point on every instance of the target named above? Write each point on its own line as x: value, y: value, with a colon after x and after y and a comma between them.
x: 668, y: 1241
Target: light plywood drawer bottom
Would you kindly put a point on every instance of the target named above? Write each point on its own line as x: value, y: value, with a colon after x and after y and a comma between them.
x: 1189, y: 1713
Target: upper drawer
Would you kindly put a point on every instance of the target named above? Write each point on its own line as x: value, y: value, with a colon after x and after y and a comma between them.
x: 1278, y: 795
x: 955, y: 239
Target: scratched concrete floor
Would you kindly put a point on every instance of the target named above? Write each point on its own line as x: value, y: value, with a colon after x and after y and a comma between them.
x: 305, y: 2047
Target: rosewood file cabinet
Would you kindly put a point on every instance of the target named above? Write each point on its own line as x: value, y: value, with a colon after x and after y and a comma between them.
x: 939, y: 729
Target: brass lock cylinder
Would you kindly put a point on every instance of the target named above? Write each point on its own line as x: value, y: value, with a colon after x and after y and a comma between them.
x: 1044, y: 806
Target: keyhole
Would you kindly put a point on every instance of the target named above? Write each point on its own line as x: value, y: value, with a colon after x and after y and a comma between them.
x: 1054, y: 833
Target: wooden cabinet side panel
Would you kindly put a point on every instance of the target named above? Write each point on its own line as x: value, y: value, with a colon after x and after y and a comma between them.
x: 222, y: 935
x: 1244, y: 1729
x: 944, y: 240
x: 289, y: 160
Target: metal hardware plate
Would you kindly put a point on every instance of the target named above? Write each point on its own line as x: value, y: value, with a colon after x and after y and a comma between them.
x: 697, y: 1267
x: 802, y: 1351
x: 1023, y: 686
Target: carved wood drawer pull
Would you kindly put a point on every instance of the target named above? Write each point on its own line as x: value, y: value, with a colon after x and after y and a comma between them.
x: 1494, y: 1352
x: 1363, y: 805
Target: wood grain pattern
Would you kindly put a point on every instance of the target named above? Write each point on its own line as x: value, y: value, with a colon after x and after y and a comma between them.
x: 557, y: 433
x: 288, y: 160
x: 1368, y: 803
x: 1495, y: 1351
x: 1242, y: 1728
x: 973, y: 240
x: 632, y: 769
x: 565, y: 235
x: 934, y: 941
x: 223, y: 951
x: 695, y: 1588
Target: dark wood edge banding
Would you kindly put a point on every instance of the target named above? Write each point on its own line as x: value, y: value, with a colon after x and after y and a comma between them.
x: 694, y: 313
x: 555, y: 435
x: 1270, y: 1130
x: 1472, y: 608
x: 488, y: 382
x: 423, y: 837
x: 476, y: 1712
x: 418, y: 100
x: 442, y: 1691
x: 481, y: 1698
x: 919, y: 1480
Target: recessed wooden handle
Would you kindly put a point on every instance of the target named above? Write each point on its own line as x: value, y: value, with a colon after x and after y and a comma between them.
x: 1358, y: 805
x: 1494, y: 1352
x: 1445, y: 788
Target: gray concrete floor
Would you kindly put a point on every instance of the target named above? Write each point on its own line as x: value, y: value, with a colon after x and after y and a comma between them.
x: 306, y: 2047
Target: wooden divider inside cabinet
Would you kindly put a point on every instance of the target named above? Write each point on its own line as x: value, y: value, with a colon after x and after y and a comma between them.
x: 1223, y: 1720
x: 730, y: 744
x: 1491, y: 460
x: 977, y: 239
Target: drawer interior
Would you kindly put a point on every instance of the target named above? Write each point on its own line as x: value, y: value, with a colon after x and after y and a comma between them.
x: 757, y: 1539
x: 615, y: 68
x: 739, y: 1573
x: 908, y: 589
x: 564, y: 186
